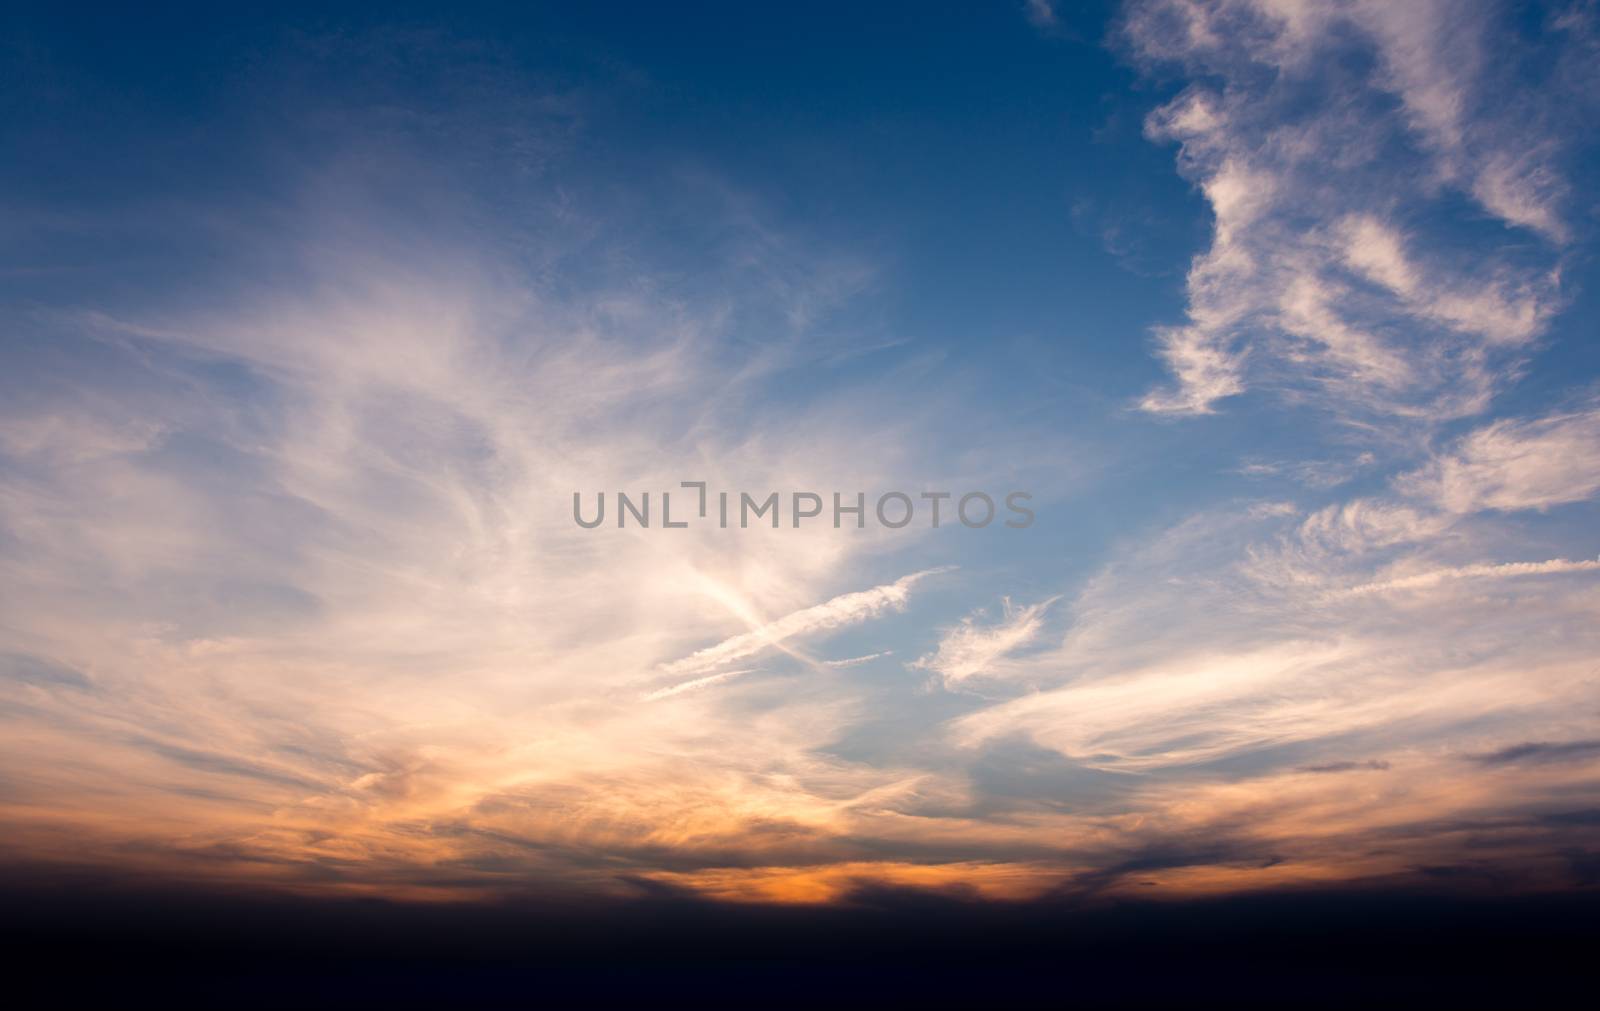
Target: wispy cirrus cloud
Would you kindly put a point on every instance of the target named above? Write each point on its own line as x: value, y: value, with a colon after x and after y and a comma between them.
x: 837, y: 612
x: 972, y: 650
x: 1251, y: 650
x: 304, y: 587
x: 856, y: 661
x: 1515, y: 464
x: 1320, y: 277
x: 694, y: 685
x: 293, y: 595
x: 1502, y: 570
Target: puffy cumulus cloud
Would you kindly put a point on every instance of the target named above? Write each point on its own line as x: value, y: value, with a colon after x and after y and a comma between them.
x: 1322, y: 136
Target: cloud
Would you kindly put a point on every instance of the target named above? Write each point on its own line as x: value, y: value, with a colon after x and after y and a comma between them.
x: 1189, y: 710
x: 856, y: 661
x: 1540, y: 751
x: 838, y: 612
x: 1515, y: 464
x: 1224, y: 641
x: 1347, y: 766
x: 1311, y: 473
x: 1320, y: 279
x: 294, y: 597
x: 1390, y: 542
x: 1503, y: 570
x: 39, y: 671
x: 293, y: 589
x: 971, y: 650
x: 694, y: 685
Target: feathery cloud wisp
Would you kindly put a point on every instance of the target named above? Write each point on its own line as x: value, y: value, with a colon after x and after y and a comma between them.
x: 1510, y: 465
x: 845, y: 609
x: 972, y: 650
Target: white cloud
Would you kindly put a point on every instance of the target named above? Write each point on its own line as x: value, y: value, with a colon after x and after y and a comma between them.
x: 311, y: 548
x: 1511, y: 465
x: 972, y: 650
x: 1314, y: 282
x: 694, y: 685
x: 1504, y: 570
x: 1219, y: 641
x: 845, y: 609
x: 1381, y: 617
x: 1187, y: 710
x: 856, y: 661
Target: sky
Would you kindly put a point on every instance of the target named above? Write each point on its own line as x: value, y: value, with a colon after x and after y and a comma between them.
x: 1280, y: 313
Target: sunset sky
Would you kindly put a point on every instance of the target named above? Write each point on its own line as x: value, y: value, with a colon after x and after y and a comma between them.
x: 1282, y: 312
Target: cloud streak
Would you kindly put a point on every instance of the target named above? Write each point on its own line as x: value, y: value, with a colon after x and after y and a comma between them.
x: 837, y: 612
